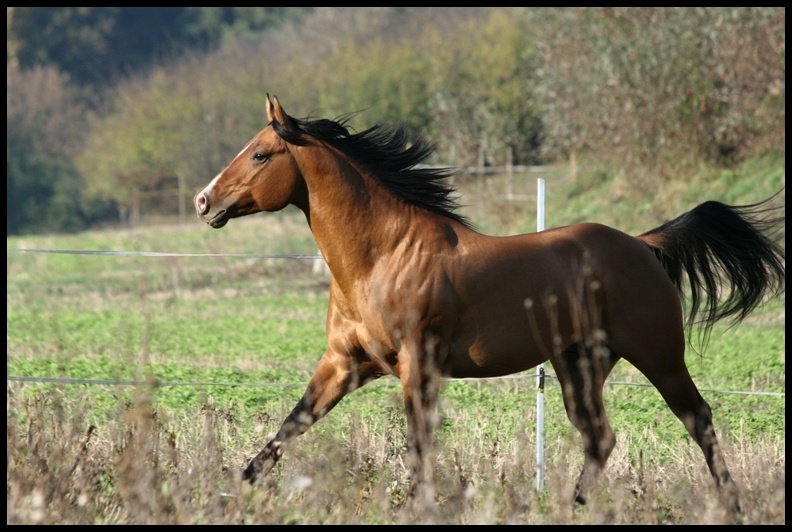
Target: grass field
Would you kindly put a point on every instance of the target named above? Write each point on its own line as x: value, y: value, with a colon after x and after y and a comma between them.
x: 227, y: 345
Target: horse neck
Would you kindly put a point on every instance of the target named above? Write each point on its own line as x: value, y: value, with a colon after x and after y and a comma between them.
x: 350, y: 215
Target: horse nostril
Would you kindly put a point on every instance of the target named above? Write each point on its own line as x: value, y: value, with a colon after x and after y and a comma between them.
x: 202, y: 204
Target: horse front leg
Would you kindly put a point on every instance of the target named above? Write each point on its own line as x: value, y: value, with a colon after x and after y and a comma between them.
x: 420, y: 386
x: 296, y: 423
x: 336, y: 375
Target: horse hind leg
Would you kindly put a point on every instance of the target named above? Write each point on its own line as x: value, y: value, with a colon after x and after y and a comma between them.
x: 582, y: 372
x: 683, y: 398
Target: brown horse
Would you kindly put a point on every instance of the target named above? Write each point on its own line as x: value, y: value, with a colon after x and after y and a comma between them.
x: 418, y: 294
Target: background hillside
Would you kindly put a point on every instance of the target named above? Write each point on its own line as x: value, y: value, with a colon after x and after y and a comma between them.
x: 116, y: 115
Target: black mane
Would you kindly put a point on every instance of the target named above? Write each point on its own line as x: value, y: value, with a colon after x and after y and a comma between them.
x: 385, y: 153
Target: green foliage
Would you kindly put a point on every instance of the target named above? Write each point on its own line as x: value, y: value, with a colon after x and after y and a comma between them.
x: 66, y: 37
x: 465, y: 86
x: 227, y: 24
x: 44, y: 134
x: 656, y: 92
x: 43, y: 194
x: 98, y: 45
x: 132, y: 152
x: 482, y: 93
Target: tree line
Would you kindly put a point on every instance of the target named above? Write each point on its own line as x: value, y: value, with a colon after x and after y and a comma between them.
x: 112, y: 108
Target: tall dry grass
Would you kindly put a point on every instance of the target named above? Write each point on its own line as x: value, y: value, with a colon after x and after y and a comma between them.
x: 150, y: 467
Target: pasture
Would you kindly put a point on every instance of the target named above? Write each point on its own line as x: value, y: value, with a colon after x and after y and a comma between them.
x: 227, y: 344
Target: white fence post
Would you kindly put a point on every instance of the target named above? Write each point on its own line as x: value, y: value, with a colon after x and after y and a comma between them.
x: 540, y: 376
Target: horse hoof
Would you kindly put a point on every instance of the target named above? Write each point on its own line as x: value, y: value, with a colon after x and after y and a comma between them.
x: 250, y: 474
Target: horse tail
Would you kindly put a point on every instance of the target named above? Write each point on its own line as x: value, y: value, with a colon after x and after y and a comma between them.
x: 731, y: 256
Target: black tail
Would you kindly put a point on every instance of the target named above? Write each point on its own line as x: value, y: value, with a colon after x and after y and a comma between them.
x: 731, y: 255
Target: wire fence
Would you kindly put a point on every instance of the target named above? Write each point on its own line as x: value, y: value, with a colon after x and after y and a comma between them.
x: 158, y: 383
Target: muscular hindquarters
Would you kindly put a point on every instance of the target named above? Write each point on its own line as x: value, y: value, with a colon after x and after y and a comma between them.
x: 642, y: 313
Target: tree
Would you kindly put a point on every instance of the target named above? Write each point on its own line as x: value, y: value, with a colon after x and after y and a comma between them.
x: 483, y: 76
x: 98, y: 46
x: 44, y: 129
x: 656, y: 91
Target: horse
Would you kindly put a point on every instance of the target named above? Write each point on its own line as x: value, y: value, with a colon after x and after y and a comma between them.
x: 417, y: 293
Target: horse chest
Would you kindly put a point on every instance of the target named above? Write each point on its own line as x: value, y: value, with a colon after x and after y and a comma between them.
x: 384, y: 318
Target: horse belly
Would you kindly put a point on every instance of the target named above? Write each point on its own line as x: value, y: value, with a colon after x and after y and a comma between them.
x: 505, y: 348
x: 511, y: 322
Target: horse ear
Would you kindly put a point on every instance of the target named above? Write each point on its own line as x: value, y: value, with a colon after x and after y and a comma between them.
x: 269, y: 109
x: 275, y: 112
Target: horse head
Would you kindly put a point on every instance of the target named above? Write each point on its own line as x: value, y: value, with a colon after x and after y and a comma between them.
x: 262, y: 177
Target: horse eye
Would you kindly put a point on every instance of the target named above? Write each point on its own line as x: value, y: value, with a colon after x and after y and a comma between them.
x: 260, y: 156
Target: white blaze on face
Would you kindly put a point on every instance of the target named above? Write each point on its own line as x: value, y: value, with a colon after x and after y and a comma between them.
x: 207, y: 191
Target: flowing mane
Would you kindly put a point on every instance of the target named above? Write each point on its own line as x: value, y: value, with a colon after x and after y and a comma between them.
x: 389, y: 158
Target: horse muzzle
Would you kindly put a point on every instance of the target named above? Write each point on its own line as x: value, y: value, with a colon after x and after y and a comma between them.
x: 203, y: 208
